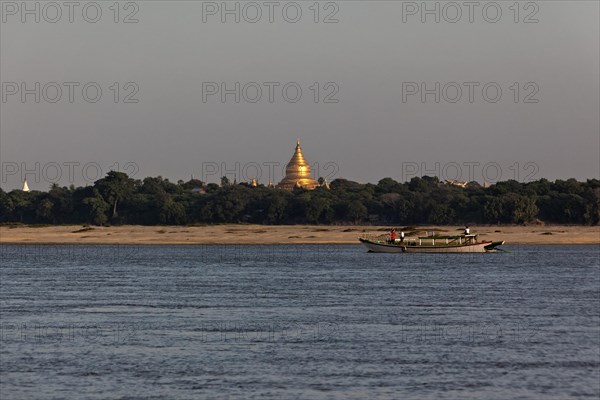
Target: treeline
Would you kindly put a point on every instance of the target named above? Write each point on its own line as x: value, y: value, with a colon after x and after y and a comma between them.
x: 118, y: 199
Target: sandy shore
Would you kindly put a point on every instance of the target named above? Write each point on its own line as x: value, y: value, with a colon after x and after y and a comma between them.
x: 259, y: 234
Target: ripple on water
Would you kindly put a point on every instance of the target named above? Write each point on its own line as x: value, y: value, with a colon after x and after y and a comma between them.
x: 298, y: 322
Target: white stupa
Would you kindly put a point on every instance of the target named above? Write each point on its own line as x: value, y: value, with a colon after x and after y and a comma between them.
x: 25, y: 186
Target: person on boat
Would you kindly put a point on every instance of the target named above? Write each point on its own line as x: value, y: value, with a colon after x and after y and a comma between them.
x: 402, y: 237
x: 393, y: 236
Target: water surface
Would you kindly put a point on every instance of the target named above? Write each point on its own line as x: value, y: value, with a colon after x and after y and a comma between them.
x: 298, y: 322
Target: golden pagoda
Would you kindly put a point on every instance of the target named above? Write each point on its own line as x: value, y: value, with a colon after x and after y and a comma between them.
x: 297, y: 173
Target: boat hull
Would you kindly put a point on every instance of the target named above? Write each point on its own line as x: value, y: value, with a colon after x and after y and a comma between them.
x: 379, y: 247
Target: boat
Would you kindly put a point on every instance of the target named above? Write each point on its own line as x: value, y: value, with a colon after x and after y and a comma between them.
x: 467, y: 243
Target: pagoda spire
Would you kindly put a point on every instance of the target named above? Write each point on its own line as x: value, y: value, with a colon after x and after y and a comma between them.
x: 297, y: 172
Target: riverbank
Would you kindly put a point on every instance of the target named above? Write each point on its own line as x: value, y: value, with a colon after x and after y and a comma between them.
x: 284, y: 234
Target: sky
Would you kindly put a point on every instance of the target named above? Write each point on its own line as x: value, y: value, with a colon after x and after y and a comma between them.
x: 373, y: 89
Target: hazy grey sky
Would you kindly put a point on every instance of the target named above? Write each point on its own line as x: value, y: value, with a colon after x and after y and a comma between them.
x: 369, y: 57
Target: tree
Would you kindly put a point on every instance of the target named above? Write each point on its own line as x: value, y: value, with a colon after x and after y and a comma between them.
x: 390, y: 205
x: 114, y: 187
x: 63, y: 206
x: 493, y: 211
x: 227, y: 205
x: 97, y: 208
x: 592, y: 208
x: 525, y: 210
x: 6, y: 207
x: 388, y: 185
x: 316, y: 207
x: 422, y: 201
x: 357, y: 212
x: 276, y: 208
x: 22, y: 203
x: 441, y: 214
x: 171, y: 212
x: 44, y: 210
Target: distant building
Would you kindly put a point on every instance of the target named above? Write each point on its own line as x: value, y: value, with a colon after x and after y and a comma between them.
x: 454, y: 182
x: 297, y: 173
x: 199, y: 190
x: 198, y: 186
x: 25, y: 186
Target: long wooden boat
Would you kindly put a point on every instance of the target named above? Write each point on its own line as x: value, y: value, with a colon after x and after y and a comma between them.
x: 430, y: 244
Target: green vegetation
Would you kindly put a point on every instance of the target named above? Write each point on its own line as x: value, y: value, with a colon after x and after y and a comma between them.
x: 118, y: 199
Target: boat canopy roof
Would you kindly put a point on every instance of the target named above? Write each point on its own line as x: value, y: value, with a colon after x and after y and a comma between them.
x: 448, y: 236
